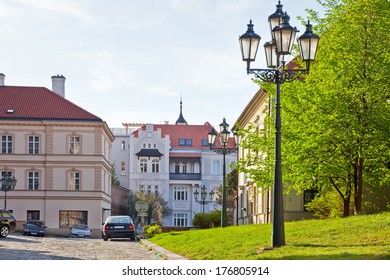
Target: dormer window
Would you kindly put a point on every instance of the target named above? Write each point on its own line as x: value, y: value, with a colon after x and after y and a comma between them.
x: 185, y: 142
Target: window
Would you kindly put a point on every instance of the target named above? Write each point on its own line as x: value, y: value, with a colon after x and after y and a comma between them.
x: 142, y: 188
x: 6, y: 144
x: 74, y: 145
x: 149, y: 191
x: 69, y: 218
x: 180, y: 193
x: 216, y: 168
x: 33, y: 144
x: 123, y: 145
x: 205, y: 142
x: 33, y: 180
x: 180, y: 219
x: 143, y: 165
x: 123, y: 168
x: 74, y: 181
x: 177, y: 168
x: 33, y: 215
x: 6, y: 174
x: 185, y: 142
x: 156, y: 190
x: 155, y: 166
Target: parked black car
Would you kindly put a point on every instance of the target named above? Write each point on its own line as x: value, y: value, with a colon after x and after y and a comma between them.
x: 34, y: 227
x: 118, y: 227
x: 7, y: 222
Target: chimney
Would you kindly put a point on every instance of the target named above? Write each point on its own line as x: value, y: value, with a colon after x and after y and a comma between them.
x: 58, y: 84
x: 2, y: 77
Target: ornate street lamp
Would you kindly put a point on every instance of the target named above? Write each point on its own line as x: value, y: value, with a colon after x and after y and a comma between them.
x: 224, y: 135
x: 7, y: 184
x: 283, y: 36
x: 203, y: 196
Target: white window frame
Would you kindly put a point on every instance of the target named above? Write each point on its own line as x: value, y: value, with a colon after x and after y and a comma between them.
x: 33, y: 180
x: 33, y: 144
x: 155, y: 166
x: 143, y: 165
x: 74, y: 145
x: 216, y: 167
x: 180, y: 194
x: 180, y: 219
x: 74, y: 181
x: 6, y: 144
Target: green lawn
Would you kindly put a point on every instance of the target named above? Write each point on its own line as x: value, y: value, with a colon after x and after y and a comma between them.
x: 353, y: 238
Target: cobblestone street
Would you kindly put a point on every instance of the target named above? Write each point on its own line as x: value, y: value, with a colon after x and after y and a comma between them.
x: 19, y: 247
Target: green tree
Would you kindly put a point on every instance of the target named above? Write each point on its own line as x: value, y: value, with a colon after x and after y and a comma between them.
x: 231, y: 193
x: 336, y: 129
x: 114, y: 179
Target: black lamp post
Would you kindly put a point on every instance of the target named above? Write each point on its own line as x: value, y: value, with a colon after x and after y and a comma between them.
x: 7, y: 184
x: 203, y: 196
x: 283, y: 36
x: 224, y: 135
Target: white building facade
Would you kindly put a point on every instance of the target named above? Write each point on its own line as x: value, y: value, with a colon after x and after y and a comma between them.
x: 172, y: 160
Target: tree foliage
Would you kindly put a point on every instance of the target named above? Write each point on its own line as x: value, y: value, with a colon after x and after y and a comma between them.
x: 336, y: 125
x: 114, y: 180
x: 231, y: 194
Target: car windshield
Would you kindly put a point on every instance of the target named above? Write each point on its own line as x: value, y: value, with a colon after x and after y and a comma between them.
x: 36, y: 224
x: 119, y: 220
x: 80, y: 226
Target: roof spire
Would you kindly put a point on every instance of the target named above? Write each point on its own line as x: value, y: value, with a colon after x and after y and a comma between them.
x: 181, y: 119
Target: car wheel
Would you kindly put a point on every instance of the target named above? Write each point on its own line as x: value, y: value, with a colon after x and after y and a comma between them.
x: 4, y: 230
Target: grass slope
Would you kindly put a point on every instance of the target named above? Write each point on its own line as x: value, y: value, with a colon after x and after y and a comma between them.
x: 354, y: 238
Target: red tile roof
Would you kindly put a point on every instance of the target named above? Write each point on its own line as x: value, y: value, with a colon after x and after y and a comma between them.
x: 196, y: 133
x: 39, y: 103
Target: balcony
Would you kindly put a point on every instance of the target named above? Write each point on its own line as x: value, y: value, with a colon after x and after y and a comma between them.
x: 185, y: 176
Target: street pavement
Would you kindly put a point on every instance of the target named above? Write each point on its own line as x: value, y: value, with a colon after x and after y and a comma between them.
x: 18, y: 247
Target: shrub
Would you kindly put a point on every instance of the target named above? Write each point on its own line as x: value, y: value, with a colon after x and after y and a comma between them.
x: 150, y: 231
x: 327, y: 205
x: 207, y: 220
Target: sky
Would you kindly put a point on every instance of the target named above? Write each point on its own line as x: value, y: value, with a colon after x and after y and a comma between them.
x: 131, y: 61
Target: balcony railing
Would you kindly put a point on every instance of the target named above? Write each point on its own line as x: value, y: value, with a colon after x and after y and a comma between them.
x: 185, y: 176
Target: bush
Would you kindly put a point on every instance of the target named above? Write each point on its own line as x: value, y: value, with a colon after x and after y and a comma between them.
x: 328, y: 205
x: 207, y: 220
x: 150, y: 231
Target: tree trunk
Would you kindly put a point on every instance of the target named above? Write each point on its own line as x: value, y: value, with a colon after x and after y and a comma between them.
x: 346, y: 208
x: 345, y: 197
x: 359, y: 187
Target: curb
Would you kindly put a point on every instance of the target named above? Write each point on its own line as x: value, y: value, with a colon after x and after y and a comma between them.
x: 165, y: 254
